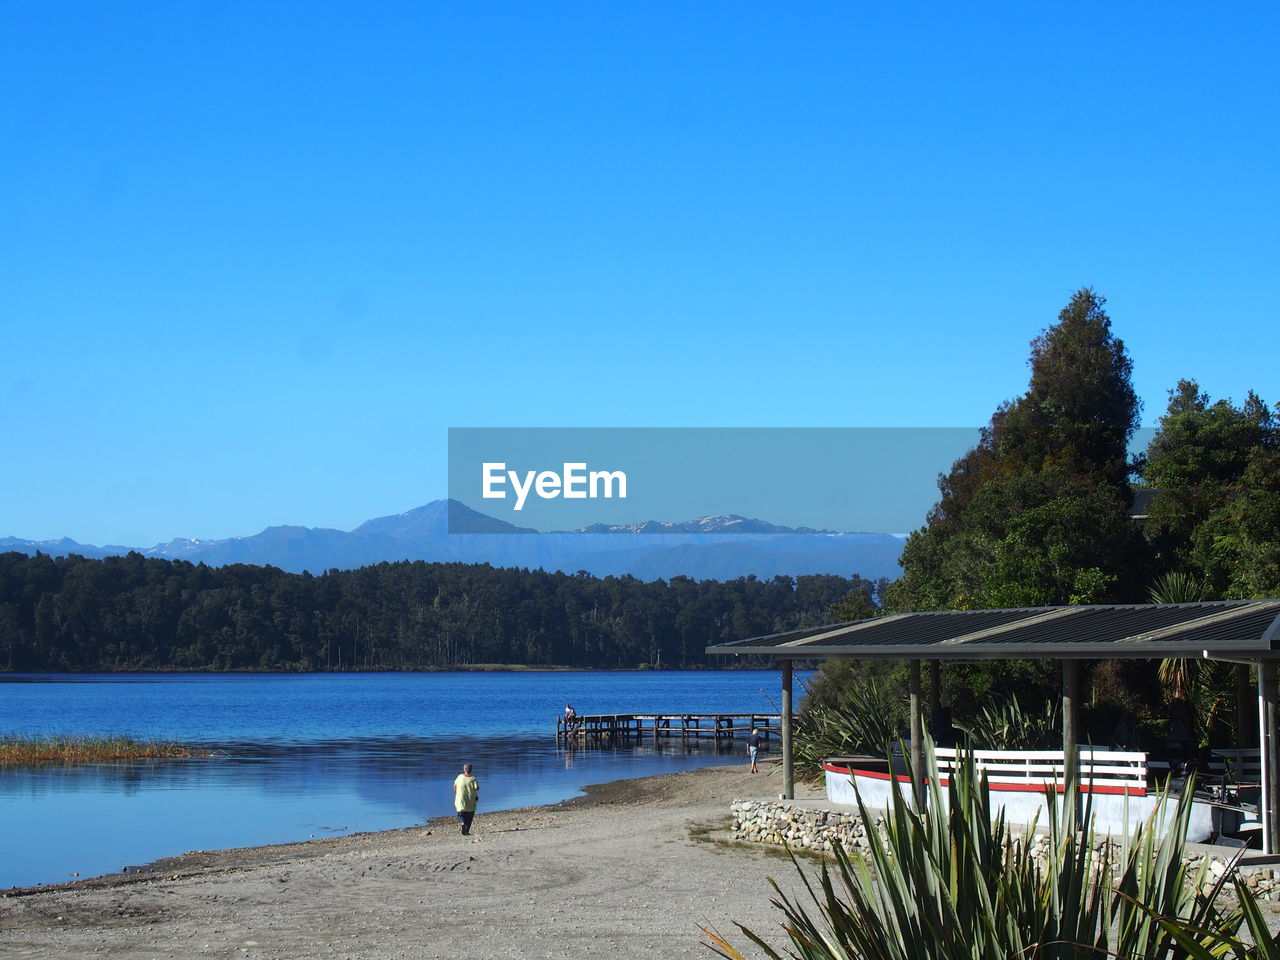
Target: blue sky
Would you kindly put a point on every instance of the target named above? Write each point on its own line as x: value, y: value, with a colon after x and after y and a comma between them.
x: 257, y: 258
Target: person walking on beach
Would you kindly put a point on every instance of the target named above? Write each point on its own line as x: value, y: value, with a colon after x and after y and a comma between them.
x: 754, y: 743
x: 466, y: 791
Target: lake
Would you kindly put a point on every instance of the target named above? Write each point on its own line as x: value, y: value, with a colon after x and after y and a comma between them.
x: 311, y: 755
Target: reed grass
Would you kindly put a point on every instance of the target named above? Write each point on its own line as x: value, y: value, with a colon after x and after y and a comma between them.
x: 33, y: 750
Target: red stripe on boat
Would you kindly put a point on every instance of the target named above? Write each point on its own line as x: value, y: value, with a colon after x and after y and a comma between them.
x: 1006, y: 787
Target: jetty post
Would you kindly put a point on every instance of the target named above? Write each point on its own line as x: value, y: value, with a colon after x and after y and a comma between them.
x: 634, y: 727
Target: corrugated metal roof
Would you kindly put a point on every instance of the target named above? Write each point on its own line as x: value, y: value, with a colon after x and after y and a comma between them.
x: 1247, y: 629
x: 791, y: 637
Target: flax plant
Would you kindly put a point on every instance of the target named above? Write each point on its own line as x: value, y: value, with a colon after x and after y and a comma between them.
x: 866, y: 722
x: 1005, y: 725
x: 1208, y: 944
x: 953, y: 880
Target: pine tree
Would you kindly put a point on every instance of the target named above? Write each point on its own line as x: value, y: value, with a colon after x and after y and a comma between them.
x: 1037, y: 513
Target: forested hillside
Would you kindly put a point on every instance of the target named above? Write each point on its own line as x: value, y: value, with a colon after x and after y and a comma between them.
x: 133, y: 612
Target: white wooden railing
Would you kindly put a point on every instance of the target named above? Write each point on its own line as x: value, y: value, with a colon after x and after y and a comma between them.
x: 1101, y: 771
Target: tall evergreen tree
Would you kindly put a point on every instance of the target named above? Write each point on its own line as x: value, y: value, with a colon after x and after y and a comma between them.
x: 1037, y: 512
x: 1080, y: 407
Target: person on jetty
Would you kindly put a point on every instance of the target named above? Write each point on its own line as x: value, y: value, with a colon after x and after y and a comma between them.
x: 466, y: 791
x: 570, y: 717
x: 754, y: 743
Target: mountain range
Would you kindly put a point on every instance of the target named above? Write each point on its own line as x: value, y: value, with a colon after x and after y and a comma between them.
x: 718, y: 547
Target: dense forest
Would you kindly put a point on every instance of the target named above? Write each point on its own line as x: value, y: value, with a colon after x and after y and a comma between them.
x: 133, y: 612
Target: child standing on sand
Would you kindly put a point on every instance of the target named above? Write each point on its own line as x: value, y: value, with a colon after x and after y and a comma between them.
x: 466, y: 791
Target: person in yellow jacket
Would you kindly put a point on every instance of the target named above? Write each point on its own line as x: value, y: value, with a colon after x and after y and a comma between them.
x: 466, y: 791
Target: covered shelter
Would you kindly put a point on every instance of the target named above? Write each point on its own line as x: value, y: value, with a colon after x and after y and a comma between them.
x: 1237, y: 631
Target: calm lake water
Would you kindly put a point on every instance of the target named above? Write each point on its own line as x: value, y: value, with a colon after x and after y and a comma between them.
x: 300, y: 756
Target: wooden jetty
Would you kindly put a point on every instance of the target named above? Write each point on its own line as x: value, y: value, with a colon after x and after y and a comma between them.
x: 655, y: 726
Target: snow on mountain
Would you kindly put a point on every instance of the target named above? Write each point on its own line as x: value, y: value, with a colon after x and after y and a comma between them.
x: 721, y: 546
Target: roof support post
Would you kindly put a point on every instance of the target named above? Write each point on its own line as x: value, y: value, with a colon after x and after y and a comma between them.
x: 1267, y: 715
x: 1246, y: 730
x: 1071, y: 729
x: 788, y: 767
x: 917, y: 739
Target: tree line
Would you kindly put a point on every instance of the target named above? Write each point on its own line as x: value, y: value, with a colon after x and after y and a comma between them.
x: 139, y: 613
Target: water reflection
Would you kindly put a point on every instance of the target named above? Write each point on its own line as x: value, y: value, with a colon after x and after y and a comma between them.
x: 105, y: 816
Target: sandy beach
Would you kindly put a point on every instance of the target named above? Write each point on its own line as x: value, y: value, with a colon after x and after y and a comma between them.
x: 629, y: 870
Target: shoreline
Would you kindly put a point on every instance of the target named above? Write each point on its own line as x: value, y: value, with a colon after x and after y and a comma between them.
x: 591, y: 794
x: 627, y: 790
x: 631, y: 867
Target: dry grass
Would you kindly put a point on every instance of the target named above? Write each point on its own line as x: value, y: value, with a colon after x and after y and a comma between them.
x: 24, y: 751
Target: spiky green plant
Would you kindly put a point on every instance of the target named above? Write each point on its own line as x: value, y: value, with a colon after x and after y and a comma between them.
x: 1207, y: 944
x: 1005, y: 725
x: 1177, y: 586
x: 1207, y: 687
x: 953, y: 881
x: 867, y: 721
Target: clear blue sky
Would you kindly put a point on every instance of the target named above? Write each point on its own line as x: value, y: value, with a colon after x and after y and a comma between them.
x: 256, y: 258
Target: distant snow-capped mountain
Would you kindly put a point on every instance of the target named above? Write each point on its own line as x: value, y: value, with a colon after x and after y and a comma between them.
x: 720, y: 523
x: 716, y: 547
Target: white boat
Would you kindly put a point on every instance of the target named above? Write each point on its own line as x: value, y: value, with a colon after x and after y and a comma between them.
x: 1120, y: 793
